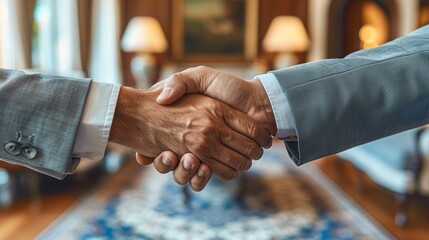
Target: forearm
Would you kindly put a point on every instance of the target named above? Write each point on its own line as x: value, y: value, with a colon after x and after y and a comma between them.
x: 341, y: 103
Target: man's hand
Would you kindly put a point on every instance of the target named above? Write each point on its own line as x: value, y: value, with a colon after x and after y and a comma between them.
x: 246, y: 96
x: 189, y: 170
x: 216, y: 134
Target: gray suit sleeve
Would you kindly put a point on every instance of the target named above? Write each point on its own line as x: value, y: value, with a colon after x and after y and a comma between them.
x: 39, y: 117
x: 341, y: 103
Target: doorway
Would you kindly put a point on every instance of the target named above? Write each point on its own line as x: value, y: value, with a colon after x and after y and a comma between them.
x: 360, y: 24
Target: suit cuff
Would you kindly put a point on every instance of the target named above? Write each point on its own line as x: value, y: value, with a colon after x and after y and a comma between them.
x: 94, y: 128
x: 281, y: 108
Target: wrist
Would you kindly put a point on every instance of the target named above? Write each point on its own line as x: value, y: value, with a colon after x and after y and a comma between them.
x: 263, y: 106
x: 120, y: 127
x: 132, y: 115
x: 136, y: 120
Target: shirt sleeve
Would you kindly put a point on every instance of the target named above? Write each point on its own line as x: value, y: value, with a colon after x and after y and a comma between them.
x: 281, y: 108
x: 94, y: 128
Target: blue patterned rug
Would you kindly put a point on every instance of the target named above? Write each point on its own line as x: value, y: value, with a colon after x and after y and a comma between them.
x: 274, y: 200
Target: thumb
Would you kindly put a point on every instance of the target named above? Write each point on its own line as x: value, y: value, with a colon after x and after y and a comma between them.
x: 173, y: 89
x: 192, y: 80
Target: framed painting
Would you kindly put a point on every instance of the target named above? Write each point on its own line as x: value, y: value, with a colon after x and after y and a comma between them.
x: 214, y: 30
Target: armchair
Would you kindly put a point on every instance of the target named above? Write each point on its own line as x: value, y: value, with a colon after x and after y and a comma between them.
x: 399, y: 163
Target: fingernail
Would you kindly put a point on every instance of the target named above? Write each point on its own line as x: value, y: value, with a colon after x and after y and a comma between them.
x: 187, y: 164
x: 164, y: 94
x: 201, y: 173
x: 166, y: 161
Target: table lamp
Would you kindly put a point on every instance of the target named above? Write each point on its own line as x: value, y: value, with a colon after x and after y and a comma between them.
x: 286, y: 36
x: 143, y: 36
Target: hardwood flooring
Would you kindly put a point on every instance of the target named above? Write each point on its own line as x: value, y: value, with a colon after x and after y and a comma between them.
x: 378, y: 202
x: 30, y: 215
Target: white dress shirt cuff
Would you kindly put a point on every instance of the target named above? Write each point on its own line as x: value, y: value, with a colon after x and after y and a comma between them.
x: 94, y: 128
x: 280, y: 105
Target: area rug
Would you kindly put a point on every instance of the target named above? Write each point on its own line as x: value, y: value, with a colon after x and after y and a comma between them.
x: 273, y: 200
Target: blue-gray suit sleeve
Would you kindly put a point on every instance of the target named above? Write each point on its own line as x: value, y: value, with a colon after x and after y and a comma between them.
x: 370, y: 94
x: 45, y: 111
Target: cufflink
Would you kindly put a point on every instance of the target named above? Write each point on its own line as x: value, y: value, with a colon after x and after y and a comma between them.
x: 12, y: 147
x: 28, y: 151
x: 23, y: 145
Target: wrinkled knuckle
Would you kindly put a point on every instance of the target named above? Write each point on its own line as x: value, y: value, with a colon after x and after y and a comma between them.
x: 206, y: 170
x: 207, y: 131
x: 227, y: 137
x: 202, y: 145
x: 216, y: 107
x: 220, y: 111
x: 254, y: 130
x: 176, y: 76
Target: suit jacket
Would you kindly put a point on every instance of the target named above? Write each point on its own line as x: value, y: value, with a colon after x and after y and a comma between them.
x: 370, y: 94
x: 39, y: 118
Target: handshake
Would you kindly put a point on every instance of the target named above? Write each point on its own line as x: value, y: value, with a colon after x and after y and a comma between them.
x: 211, y: 121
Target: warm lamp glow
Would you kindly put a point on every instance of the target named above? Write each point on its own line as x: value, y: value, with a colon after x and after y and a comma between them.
x: 368, y: 36
x: 286, y: 34
x: 375, y: 29
x: 144, y: 34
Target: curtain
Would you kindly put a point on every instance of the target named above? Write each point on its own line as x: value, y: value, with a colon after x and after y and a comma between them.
x: 3, y: 27
x: 16, y: 35
x: 84, y: 14
x: 105, y: 64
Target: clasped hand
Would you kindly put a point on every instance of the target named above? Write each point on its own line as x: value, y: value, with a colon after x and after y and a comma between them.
x: 224, y: 147
x: 194, y: 128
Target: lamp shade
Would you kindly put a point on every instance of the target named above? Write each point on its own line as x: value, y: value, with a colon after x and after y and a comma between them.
x: 144, y: 34
x: 286, y: 34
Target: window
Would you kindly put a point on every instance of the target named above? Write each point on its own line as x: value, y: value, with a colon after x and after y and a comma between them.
x: 55, y: 42
x: 3, y: 25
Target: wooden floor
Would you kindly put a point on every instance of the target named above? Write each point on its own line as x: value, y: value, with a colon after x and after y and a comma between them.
x: 28, y: 217
x: 378, y: 202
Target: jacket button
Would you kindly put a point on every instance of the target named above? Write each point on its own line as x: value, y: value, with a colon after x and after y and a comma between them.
x: 12, y: 148
x: 28, y: 151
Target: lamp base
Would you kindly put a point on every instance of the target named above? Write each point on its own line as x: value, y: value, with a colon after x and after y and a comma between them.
x: 143, y: 69
x: 284, y: 60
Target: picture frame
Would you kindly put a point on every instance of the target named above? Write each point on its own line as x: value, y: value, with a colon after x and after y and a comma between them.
x: 214, y: 30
